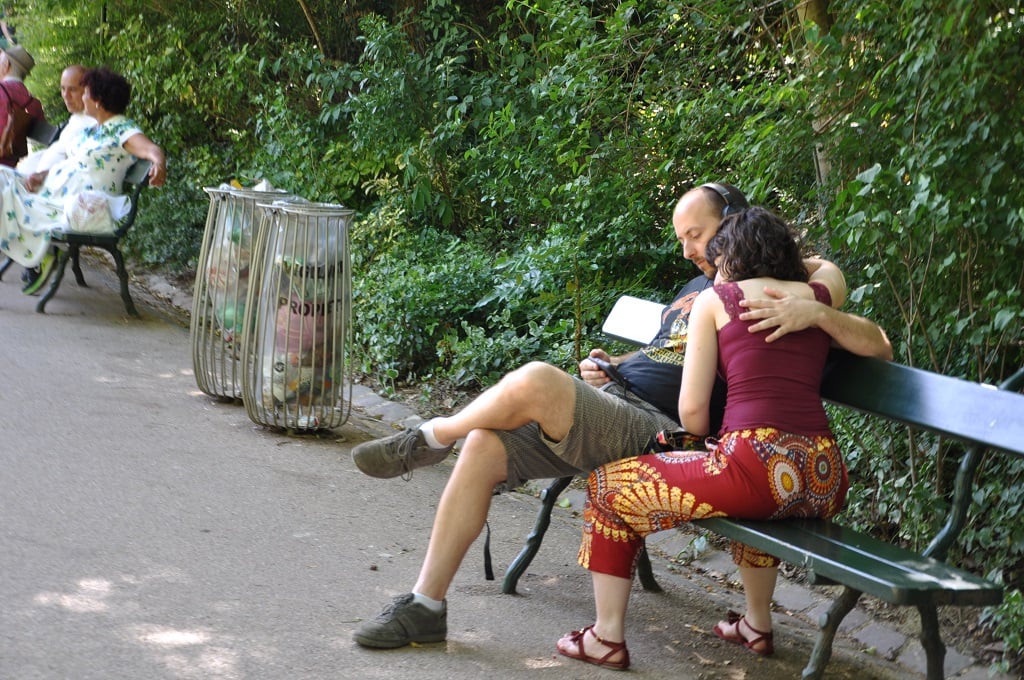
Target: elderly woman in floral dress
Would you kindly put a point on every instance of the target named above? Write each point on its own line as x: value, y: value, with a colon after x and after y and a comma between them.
x: 83, y: 188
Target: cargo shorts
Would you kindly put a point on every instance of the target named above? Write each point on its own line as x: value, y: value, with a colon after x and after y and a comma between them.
x: 608, y: 424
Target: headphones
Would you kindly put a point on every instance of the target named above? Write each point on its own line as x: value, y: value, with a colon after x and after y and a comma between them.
x: 734, y: 199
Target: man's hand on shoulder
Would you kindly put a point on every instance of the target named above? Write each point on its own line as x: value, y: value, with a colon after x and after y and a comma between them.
x: 788, y: 313
x: 785, y: 312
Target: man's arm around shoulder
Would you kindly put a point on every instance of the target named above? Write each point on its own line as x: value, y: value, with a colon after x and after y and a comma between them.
x: 788, y: 313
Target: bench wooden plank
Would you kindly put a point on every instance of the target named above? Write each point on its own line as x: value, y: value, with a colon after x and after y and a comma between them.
x: 962, y: 410
x: 841, y: 555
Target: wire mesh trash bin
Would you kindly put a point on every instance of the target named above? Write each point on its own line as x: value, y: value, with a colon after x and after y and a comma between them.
x: 297, y: 322
x: 221, y: 287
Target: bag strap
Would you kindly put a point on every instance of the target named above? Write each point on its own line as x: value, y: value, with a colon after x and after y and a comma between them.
x: 10, y: 100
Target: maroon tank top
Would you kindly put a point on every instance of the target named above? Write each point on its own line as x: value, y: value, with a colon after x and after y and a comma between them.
x: 773, y: 384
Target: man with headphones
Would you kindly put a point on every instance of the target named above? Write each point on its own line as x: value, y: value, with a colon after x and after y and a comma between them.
x: 540, y: 422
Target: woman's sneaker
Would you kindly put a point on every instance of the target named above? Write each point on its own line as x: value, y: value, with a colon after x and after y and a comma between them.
x: 404, y: 621
x: 396, y: 455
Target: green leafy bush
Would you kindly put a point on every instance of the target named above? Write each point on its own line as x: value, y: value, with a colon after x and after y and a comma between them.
x: 1007, y: 622
x: 408, y: 298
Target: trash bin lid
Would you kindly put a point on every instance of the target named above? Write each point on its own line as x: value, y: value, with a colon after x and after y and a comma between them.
x: 318, y: 209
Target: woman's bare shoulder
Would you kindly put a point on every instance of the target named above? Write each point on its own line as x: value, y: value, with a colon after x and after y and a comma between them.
x: 754, y: 288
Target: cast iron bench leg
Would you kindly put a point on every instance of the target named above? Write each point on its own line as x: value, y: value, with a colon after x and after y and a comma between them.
x: 547, y: 502
x: 931, y: 640
x: 645, y: 573
x: 829, y: 624
x: 76, y: 265
x: 122, y: 276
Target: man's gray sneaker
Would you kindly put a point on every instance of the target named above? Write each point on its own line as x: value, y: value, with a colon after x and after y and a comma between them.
x: 403, y: 621
x: 396, y: 455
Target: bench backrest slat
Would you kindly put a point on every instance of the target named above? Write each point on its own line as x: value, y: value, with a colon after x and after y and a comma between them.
x: 42, y: 132
x: 970, y: 412
x: 136, y: 178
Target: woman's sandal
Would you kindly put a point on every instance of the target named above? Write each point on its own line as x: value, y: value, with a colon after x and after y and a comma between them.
x: 763, y: 645
x: 576, y: 638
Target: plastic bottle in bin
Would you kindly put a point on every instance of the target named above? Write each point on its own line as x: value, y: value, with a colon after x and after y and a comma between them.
x: 302, y: 353
x: 227, y: 278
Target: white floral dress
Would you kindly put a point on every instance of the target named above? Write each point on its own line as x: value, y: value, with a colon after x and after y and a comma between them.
x: 96, y: 161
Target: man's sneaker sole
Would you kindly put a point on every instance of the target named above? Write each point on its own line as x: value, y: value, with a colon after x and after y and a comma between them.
x: 395, y: 644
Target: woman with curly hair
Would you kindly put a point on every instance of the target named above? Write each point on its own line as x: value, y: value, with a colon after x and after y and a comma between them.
x: 773, y: 457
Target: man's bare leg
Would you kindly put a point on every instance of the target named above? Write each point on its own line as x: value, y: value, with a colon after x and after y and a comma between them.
x: 536, y: 392
x: 421, y: 616
x: 462, y: 511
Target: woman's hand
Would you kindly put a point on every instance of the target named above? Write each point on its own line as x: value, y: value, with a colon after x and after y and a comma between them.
x: 158, y: 174
x: 140, y: 146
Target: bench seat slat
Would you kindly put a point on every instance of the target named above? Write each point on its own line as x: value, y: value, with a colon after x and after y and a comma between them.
x: 866, y: 564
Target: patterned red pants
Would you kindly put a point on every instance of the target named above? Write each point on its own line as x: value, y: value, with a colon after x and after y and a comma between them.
x: 749, y: 474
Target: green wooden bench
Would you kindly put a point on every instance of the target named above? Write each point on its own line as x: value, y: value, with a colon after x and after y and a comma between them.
x: 982, y: 418
x: 135, y: 180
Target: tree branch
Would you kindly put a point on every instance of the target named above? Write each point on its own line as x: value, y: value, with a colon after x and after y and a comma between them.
x: 312, y: 26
